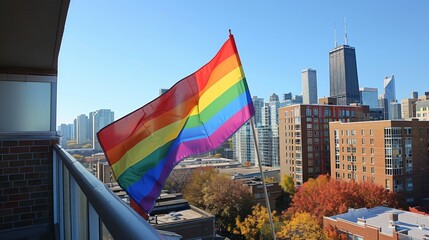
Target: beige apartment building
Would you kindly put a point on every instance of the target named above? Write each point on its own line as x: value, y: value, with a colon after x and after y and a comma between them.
x: 391, y: 153
x: 304, y: 137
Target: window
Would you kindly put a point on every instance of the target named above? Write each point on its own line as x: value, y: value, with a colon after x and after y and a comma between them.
x: 371, y: 132
x: 364, y: 169
x: 363, y: 140
x: 363, y: 160
x: 363, y: 150
x: 372, y: 170
x: 372, y: 150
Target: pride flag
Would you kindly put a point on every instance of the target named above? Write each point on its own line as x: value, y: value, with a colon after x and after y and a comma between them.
x: 196, y: 115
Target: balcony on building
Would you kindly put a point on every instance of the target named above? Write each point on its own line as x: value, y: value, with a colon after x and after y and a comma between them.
x: 44, y: 192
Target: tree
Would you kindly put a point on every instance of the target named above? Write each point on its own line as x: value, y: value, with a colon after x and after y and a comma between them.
x: 177, y: 180
x: 302, y: 226
x: 220, y: 195
x: 325, y: 197
x: 287, y: 184
x: 198, y: 179
x: 252, y: 226
x: 333, y: 233
x: 227, y: 199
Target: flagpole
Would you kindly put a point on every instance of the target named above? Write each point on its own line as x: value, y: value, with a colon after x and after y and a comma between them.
x: 263, y: 181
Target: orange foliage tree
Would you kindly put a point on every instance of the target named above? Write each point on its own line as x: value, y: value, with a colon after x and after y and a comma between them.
x: 325, y: 197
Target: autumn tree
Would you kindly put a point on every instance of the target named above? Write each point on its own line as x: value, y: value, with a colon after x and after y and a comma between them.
x: 198, y: 179
x: 287, y: 184
x: 220, y: 195
x: 301, y: 226
x: 252, y: 226
x: 227, y: 199
x: 177, y: 180
x: 325, y: 197
x: 333, y: 233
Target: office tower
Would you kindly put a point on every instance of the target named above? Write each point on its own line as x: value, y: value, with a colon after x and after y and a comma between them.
x: 304, y: 137
x: 369, y: 96
x: 101, y: 118
x: 309, y: 86
x: 344, y: 84
x: 162, y: 91
x: 389, y: 88
x: 384, y: 104
x: 395, y: 110
x: 258, y: 103
x: 82, y: 125
x: 286, y: 96
x: 387, y: 153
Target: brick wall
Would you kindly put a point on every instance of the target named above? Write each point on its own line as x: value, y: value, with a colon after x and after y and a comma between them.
x: 25, y: 183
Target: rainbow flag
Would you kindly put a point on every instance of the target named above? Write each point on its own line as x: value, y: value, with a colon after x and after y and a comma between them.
x: 196, y: 115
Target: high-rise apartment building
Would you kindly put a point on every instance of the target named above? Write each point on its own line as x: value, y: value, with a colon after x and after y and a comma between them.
x: 100, y: 119
x: 391, y: 153
x: 82, y: 129
x: 304, y: 137
x: 408, y: 108
x: 244, y: 147
x: 258, y: 103
x: 369, y: 96
x: 309, y: 86
x: 344, y: 83
x: 65, y: 132
x: 422, y: 110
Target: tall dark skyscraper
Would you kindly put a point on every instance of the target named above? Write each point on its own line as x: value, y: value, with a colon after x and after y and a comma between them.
x: 344, y: 84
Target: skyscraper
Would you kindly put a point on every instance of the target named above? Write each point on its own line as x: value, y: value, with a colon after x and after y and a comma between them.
x: 344, y: 84
x: 309, y: 86
x: 389, y: 88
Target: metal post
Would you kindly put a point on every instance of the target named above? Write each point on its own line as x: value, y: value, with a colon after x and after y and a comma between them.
x: 263, y: 181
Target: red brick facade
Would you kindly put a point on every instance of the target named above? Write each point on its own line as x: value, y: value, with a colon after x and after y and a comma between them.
x: 25, y: 183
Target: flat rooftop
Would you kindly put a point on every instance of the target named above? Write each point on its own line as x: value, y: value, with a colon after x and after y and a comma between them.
x: 183, y: 215
x: 416, y: 224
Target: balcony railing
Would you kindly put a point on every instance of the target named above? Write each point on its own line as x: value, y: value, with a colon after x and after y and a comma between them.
x: 84, y: 208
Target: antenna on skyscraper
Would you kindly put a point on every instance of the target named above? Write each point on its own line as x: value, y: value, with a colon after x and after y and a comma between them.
x: 335, y: 36
x: 346, y: 40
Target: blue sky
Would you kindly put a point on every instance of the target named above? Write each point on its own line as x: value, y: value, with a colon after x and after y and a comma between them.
x: 118, y: 54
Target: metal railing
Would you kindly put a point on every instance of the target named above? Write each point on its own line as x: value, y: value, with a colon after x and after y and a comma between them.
x: 84, y: 208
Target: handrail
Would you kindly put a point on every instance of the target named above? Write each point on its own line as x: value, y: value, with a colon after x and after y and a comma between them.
x: 121, y: 221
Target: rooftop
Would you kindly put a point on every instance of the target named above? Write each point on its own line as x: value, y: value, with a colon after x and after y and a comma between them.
x: 416, y: 224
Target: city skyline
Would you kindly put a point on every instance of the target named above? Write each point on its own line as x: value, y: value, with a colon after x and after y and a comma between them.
x: 123, y: 56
